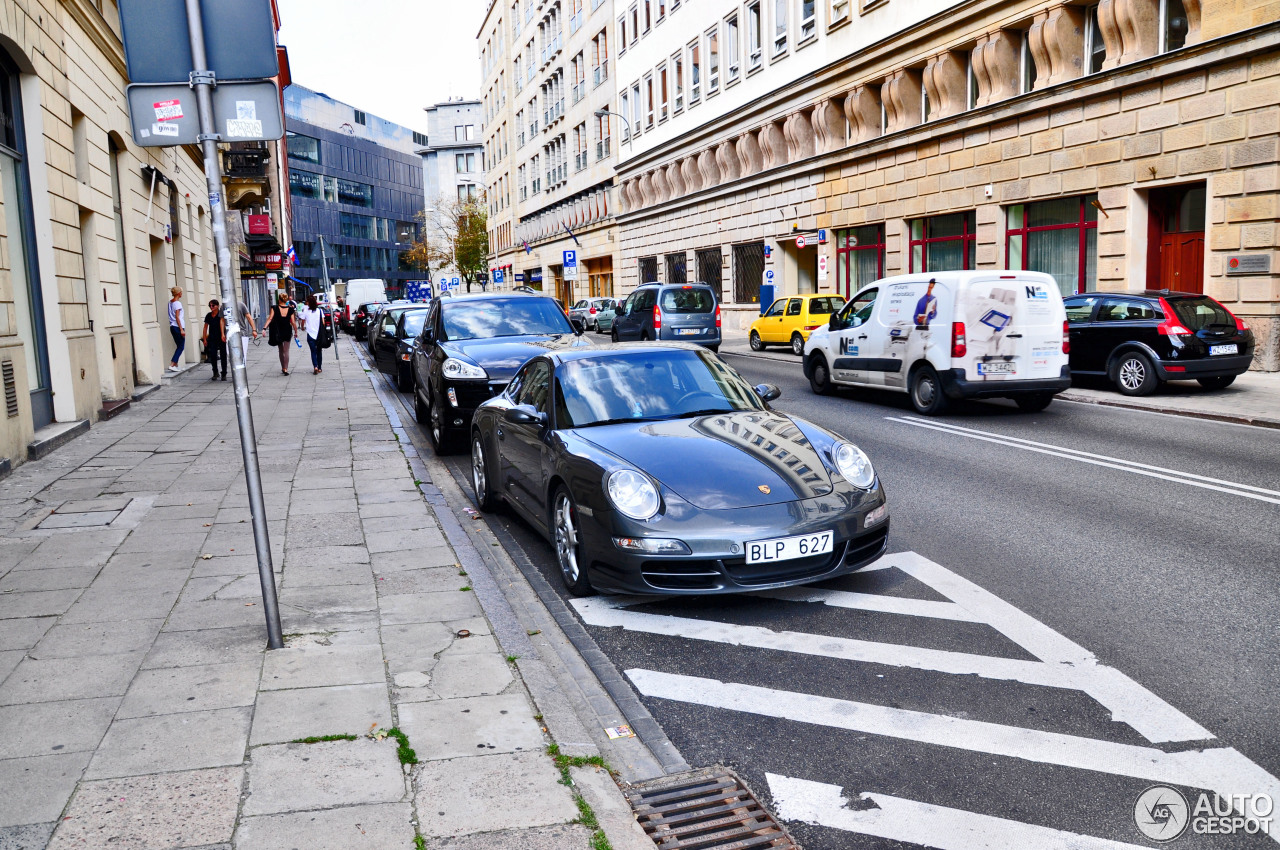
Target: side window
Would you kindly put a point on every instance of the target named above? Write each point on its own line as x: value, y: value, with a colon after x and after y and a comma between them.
x: 858, y: 311
x: 775, y: 309
x: 537, y: 381
x: 1080, y: 309
x: 1124, y: 310
x: 513, y: 388
x: 629, y: 306
x: 794, y: 306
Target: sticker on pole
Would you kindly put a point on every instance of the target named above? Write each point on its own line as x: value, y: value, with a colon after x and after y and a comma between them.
x: 168, y: 110
x: 165, y: 130
x: 242, y: 128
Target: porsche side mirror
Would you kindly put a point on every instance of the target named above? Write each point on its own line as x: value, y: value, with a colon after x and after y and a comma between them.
x: 429, y: 336
x: 768, y: 392
x: 524, y: 414
x: 578, y: 327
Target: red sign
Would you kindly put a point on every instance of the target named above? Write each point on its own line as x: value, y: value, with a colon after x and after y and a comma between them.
x: 800, y: 242
x: 259, y: 225
x: 269, y: 261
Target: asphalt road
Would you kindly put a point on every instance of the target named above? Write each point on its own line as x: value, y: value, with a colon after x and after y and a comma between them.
x: 1114, y: 574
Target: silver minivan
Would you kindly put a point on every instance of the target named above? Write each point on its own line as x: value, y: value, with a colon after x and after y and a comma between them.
x: 683, y: 312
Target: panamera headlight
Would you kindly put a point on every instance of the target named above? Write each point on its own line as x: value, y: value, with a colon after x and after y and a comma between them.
x: 853, y: 465
x: 632, y: 494
x: 458, y: 369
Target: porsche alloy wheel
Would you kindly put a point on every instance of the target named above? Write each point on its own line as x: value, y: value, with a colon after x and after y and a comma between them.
x: 479, y: 475
x: 569, y: 544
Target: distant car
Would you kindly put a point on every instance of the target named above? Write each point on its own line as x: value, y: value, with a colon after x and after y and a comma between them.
x: 1139, y: 340
x: 528, y: 289
x: 375, y: 320
x: 656, y: 468
x: 469, y: 348
x: 790, y: 320
x: 608, y: 312
x: 683, y: 312
x: 360, y: 318
x: 385, y: 325
x: 393, y: 348
x: 586, y: 311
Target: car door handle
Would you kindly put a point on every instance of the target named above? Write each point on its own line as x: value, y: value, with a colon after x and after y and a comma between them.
x: 1014, y: 336
x: 862, y: 336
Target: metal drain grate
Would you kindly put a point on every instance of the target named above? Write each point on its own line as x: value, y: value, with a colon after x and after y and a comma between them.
x: 708, y: 809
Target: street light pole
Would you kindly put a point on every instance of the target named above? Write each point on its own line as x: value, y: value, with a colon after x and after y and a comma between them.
x: 203, y: 81
x: 602, y: 112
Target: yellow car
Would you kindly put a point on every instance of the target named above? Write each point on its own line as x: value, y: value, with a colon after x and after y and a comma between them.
x: 789, y: 320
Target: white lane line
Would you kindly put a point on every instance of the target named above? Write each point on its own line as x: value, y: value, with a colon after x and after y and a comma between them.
x: 913, y: 822
x: 1123, y: 466
x: 605, y: 613
x: 874, y: 602
x: 918, y: 421
x: 1222, y: 770
x: 1128, y: 702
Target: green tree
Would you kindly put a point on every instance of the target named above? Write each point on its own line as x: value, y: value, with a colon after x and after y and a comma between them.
x: 454, y: 236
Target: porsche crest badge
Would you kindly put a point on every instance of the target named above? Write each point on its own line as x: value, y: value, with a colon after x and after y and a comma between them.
x: 764, y: 488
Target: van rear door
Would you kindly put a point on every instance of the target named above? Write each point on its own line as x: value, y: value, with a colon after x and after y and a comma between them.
x: 1013, y: 327
x: 688, y: 313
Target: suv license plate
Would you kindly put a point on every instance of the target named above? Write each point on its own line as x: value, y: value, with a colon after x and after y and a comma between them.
x: 1003, y: 367
x: 787, y: 548
x: 688, y: 331
x: 1224, y: 349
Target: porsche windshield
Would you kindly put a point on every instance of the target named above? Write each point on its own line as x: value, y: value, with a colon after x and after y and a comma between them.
x: 521, y: 316
x: 638, y: 386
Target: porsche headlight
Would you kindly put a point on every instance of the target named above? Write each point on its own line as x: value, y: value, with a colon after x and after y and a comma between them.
x: 457, y: 369
x: 632, y: 494
x: 853, y: 465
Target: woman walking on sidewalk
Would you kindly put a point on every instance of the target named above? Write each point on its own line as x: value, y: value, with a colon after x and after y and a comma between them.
x: 280, y: 328
x: 311, y: 318
x: 177, y: 327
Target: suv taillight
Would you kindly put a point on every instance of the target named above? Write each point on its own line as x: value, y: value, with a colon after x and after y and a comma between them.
x: 959, y: 345
x: 1066, y: 337
x: 717, y: 315
x: 1170, y: 326
x: 657, y: 318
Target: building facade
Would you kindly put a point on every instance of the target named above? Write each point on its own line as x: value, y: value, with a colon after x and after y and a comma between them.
x: 1121, y: 145
x: 550, y: 150
x: 94, y: 231
x: 452, y: 167
x: 356, y: 180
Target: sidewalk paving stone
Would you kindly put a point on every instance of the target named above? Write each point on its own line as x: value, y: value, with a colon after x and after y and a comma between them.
x: 527, y: 783
x: 449, y: 729
x: 297, y: 777
x: 428, y: 607
x: 321, y: 666
x: 73, y: 641
x: 558, y: 837
x: 372, y: 827
x: 55, y: 578
x: 170, y: 742
x: 37, y: 788
x: 209, y: 646
x: 205, y: 687
x: 58, y: 679
x: 38, y: 729
x: 331, y: 599
x: 288, y: 715
x: 24, y: 632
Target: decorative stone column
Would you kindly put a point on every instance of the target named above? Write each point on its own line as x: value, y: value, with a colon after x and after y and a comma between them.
x: 828, y: 125
x: 750, y: 158
x: 996, y: 67
x: 674, y: 180
x: 691, y: 173
x: 710, y: 171
x: 1039, y: 50
x: 900, y: 94
x: 798, y: 131
x: 1192, y: 8
x: 773, y: 144
x: 727, y: 161
x: 1139, y: 29
x: 661, y: 190
x: 862, y: 109
x: 1109, y: 23
x: 944, y: 80
x: 1064, y: 42
x: 648, y: 194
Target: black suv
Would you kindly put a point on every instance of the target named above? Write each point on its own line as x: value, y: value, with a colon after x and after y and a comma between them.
x: 1139, y: 340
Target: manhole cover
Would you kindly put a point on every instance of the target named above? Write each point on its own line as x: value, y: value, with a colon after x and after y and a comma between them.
x: 710, y: 809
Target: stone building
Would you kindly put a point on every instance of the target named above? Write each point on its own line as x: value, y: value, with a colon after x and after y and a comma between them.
x: 549, y: 169
x: 1125, y: 144
x: 93, y: 229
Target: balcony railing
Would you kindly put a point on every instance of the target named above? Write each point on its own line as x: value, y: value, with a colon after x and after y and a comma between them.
x: 602, y: 148
x: 246, y: 163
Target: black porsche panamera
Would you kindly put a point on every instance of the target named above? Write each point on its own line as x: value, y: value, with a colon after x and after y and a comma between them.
x: 656, y: 468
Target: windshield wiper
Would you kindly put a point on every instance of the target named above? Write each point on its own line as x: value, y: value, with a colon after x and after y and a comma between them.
x: 692, y: 413
x: 622, y: 421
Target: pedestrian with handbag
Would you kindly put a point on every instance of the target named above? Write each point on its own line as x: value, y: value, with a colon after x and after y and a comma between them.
x: 177, y: 327
x: 214, y: 338
x: 247, y: 327
x: 312, y: 318
x: 281, y: 328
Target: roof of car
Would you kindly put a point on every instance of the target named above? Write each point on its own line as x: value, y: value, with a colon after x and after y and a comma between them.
x: 1143, y: 293
x: 598, y: 349
x: 494, y: 296
x: 691, y: 283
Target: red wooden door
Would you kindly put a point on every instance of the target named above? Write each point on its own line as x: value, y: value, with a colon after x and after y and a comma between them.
x: 1182, y: 262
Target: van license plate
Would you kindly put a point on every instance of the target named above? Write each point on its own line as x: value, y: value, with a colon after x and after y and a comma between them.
x: 1224, y: 349
x: 787, y: 548
x: 1004, y: 367
x: 688, y: 331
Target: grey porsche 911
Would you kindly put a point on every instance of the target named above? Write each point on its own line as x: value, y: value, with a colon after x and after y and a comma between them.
x: 656, y: 468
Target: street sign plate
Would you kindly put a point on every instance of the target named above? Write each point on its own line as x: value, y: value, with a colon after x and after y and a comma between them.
x: 768, y: 275
x: 165, y: 115
x: 800, y: 242
x: 239, y: 39
x: 822, y: 268
x: 570, y: 265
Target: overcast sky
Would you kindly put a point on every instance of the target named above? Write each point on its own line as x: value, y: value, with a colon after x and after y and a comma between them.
x: 390, y: 58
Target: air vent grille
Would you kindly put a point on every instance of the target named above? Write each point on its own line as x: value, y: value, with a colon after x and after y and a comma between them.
x: 10, y: 388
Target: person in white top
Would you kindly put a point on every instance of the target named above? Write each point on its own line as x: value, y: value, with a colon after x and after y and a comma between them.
x: 310, y: 317
x: 177, y: 327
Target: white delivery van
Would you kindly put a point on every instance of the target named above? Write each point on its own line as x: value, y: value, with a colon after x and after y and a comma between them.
x: 948, y: 335
x: 362, y: 291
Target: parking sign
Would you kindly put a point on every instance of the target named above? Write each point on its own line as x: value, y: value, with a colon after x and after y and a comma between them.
x: 570, y: 265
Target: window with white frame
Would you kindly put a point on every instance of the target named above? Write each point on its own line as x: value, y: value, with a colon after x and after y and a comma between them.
x: 648, y: 101
x: 664, y: 93
x: 624, y: 101
x: 1027, y: 65
x: 635, y: 108
x: 839, y: 10
x: 713, y: 60
x: 808, y: 19
x: 731, y: 48
x: 662, y: 9
x: 648, y: 14
x: 677, y: 79
x: 755, y: 33
x: 1095, y: 49
x: 635, y: 23
x: 780, y: 25
x: 695, y: 72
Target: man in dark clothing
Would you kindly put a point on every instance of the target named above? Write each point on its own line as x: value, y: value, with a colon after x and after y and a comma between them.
x: 215, y: 338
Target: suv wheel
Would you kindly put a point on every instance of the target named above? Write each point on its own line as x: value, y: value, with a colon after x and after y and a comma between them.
x: 441, y: 439
x: 926, y: 392
x: 613, y: 335
x: 1134, y: 375
x: 1217, y: 383
x: 820, y: 376
x: 420, y: 411
x: 797, y: 345
x: 756, y: 343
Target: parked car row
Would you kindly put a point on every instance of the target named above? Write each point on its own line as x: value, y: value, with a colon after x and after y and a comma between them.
x: 651, y: 467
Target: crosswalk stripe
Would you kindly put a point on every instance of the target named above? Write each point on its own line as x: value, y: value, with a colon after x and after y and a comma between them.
x: 874, y: 602
x: 913, y: 822
x: 1221, y: 770
x: 605, y: 613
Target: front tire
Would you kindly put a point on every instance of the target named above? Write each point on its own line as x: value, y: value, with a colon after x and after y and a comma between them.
x: 1134, y: 375
x: 480, y: 478
x: 797, y: 345
x: 613, y: 335
x: 420, y: 411
x: 757, y: 344
x: 1216, y: 383
x: 1033, y: 402
x: 820, y: 376
x: 441, y: 440
x: 926, y: 392
x: 568, y: 543
x: 404, y: 380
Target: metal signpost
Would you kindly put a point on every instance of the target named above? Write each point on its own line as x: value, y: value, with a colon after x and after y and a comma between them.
x: 242, y: 44
x: 333, y: 304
